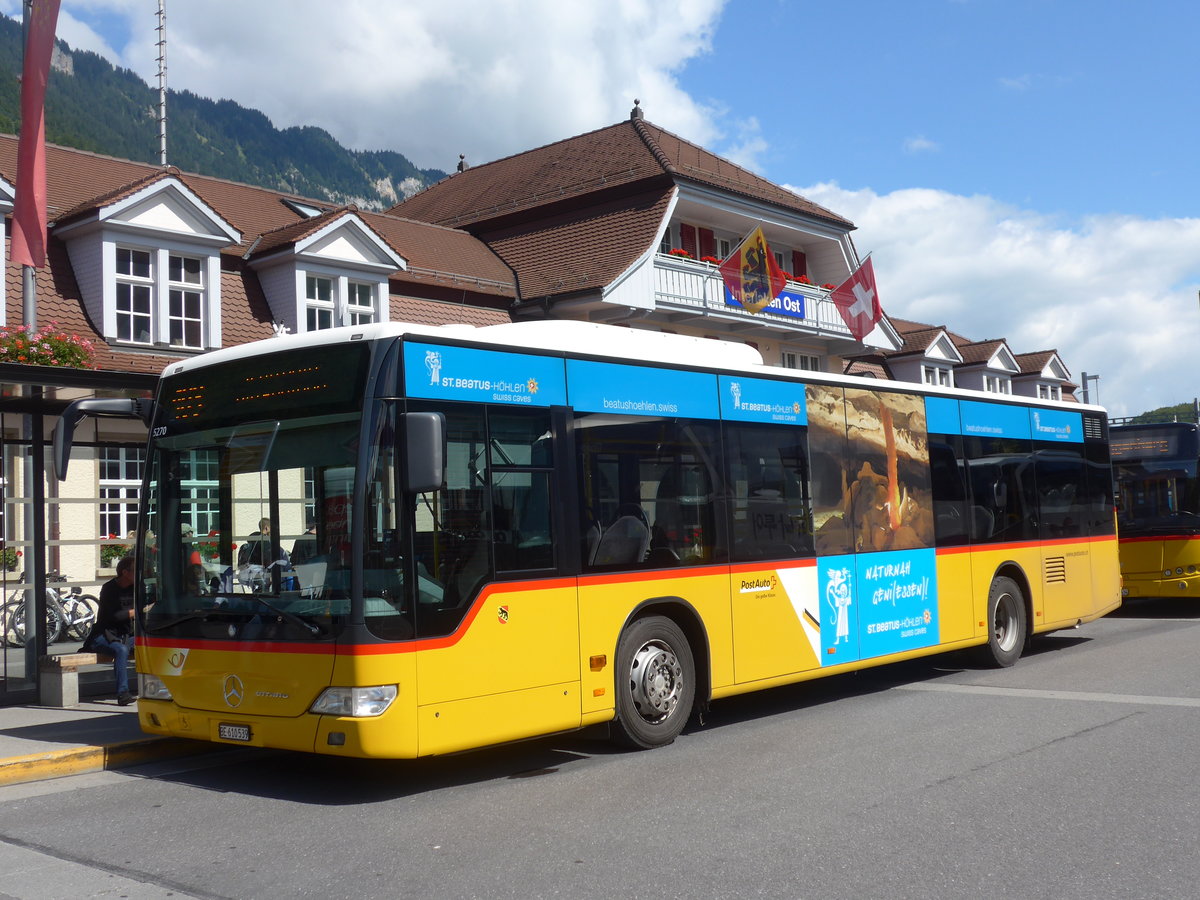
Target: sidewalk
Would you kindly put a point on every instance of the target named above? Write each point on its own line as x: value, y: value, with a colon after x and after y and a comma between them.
x: 40, y: 742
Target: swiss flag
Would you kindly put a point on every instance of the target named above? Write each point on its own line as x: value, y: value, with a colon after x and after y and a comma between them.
x: 858, y: 301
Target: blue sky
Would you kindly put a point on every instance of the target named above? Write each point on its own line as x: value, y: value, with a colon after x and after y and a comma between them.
x: 1068, y: 107
x: 1017, y: 168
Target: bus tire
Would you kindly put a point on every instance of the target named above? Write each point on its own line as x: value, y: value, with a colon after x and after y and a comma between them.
x: 1007, y: 625
x: 656, y: 683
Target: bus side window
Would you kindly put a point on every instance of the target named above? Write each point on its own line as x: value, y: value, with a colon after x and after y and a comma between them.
x: 770, y: 505
x: 648, y: 492
x: 948, y: 481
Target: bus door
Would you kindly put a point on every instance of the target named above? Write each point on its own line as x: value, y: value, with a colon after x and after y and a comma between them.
x: 495, y: 625
x: 1063, y: 528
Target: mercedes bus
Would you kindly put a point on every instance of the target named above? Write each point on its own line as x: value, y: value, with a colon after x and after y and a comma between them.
x: 531, y: 528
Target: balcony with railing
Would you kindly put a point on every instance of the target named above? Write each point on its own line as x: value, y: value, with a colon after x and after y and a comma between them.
x: 688, y: 288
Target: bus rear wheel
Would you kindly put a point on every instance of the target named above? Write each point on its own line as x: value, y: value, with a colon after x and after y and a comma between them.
x: 656, y: 683
x: 1007, y: 626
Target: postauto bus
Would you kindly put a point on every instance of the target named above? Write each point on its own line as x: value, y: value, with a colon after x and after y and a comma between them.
x: 462, y: 537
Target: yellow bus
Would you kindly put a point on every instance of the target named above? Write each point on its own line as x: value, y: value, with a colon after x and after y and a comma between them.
x: 396, y: 540
x: 1158, y: 508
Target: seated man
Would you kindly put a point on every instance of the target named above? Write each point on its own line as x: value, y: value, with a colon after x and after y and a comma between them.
x: 112, y: 632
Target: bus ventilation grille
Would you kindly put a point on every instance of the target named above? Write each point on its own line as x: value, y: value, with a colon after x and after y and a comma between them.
x: 1093, y: 428
x: 1055, y: 568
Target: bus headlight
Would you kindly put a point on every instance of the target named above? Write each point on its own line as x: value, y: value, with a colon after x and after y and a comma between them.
x: 151, y: 687
x: 359, y: 702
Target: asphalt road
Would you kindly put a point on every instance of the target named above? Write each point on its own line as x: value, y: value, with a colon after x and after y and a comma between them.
x: 1072, y: 775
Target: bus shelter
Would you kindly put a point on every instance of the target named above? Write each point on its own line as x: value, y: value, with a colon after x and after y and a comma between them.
x: 54, y: 536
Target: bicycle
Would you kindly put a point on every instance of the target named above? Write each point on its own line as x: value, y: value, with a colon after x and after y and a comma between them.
x: 69, y: 614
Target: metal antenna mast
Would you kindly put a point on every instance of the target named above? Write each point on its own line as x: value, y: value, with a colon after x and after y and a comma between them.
x: 162, y: 82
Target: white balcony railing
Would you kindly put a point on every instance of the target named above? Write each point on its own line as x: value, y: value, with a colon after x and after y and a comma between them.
x: 688, y: 285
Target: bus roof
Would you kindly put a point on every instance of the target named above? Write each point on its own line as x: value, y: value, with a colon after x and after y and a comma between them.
x: 594, y: 339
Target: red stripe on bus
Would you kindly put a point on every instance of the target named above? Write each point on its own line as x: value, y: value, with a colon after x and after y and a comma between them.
x: 1025, y: 545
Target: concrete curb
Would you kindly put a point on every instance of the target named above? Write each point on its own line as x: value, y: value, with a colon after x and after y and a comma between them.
x: 81, y: 760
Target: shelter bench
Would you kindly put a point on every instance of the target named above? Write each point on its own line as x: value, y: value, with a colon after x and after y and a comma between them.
x: 59, y: 676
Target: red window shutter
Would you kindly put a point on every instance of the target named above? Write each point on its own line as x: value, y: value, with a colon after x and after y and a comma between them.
x: 799, y: 263
x: 687, y: 237
x: 708, y: 242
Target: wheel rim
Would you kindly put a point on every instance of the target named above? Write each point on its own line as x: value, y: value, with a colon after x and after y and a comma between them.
x: 655, y: 681
x: 1005, y: 624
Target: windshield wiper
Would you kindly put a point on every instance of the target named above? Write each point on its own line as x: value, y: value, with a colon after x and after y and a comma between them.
x: 290, y: 616
x: 224, y: 610
x: 179, y: 620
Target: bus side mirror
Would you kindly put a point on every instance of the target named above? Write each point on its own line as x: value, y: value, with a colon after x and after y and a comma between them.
x: 425, y: 452
x: 64, y: 429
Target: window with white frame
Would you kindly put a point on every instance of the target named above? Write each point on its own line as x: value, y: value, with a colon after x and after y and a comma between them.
x: 135, y: 296
x: 360, y: 304
x: 996, y: 384
x: 120, y: 487
x: 937, y: 375
x: 724, y: 248
x: 1049, y: 392
x: 185, y: 306
x: 144, y: 299
x: 803, y: 361
x: 318, y: 301
x: 664, y: 246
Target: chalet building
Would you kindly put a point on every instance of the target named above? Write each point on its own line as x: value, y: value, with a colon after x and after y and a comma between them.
x: 626, y: 225
x: 623, y: 225
x: 932, y: 354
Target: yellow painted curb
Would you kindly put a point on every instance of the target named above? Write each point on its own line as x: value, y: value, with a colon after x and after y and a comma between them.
x: 80, y: 760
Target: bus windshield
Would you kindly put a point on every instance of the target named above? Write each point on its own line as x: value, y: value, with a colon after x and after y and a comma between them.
x: 252, y: 526
x: 1158, y: 497
x: 1156, y: 473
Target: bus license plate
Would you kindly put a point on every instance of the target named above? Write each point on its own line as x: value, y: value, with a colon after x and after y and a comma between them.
x: 233, y: 732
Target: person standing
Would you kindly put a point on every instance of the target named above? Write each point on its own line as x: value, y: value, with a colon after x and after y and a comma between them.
x: 112, y: 632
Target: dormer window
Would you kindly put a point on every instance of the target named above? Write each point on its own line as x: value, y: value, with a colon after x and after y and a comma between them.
x: 325, y: 307
x: 144, y: 299
x: 937, y: 375
x: 148, y: 266
x: 185, y: 307
x: 135, y: 290
x: 318, y: 301
x: 360, y: 304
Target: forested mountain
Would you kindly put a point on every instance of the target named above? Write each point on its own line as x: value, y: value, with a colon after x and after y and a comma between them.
x: 1180, y: 412
x: 93, y: 106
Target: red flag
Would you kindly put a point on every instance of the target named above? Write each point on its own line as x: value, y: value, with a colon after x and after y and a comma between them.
x: 751, y: 273
x: 29, y: 208
x: 858, y: 301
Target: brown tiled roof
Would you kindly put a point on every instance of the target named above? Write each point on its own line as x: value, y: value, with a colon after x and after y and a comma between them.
x: 432, y: 312
x: 445, y: 257
x: 293, y: 232
x: 866, y: 368
x: 583, y: 250
x: 976, y: 352
x: 628, y: 155
x: 1033, y: 363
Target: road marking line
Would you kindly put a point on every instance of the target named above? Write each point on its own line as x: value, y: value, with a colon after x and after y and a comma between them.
x: 1136, y: 699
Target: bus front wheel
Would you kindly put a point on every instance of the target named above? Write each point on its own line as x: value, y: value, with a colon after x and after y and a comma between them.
x: 1007, y: 628
x: 656, y: 683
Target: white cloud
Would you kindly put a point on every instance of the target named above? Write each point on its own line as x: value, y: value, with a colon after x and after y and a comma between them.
x: 1115, y: 295
x: 920, y: 144
x: 1017, y: 83
x: 485, y: 78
